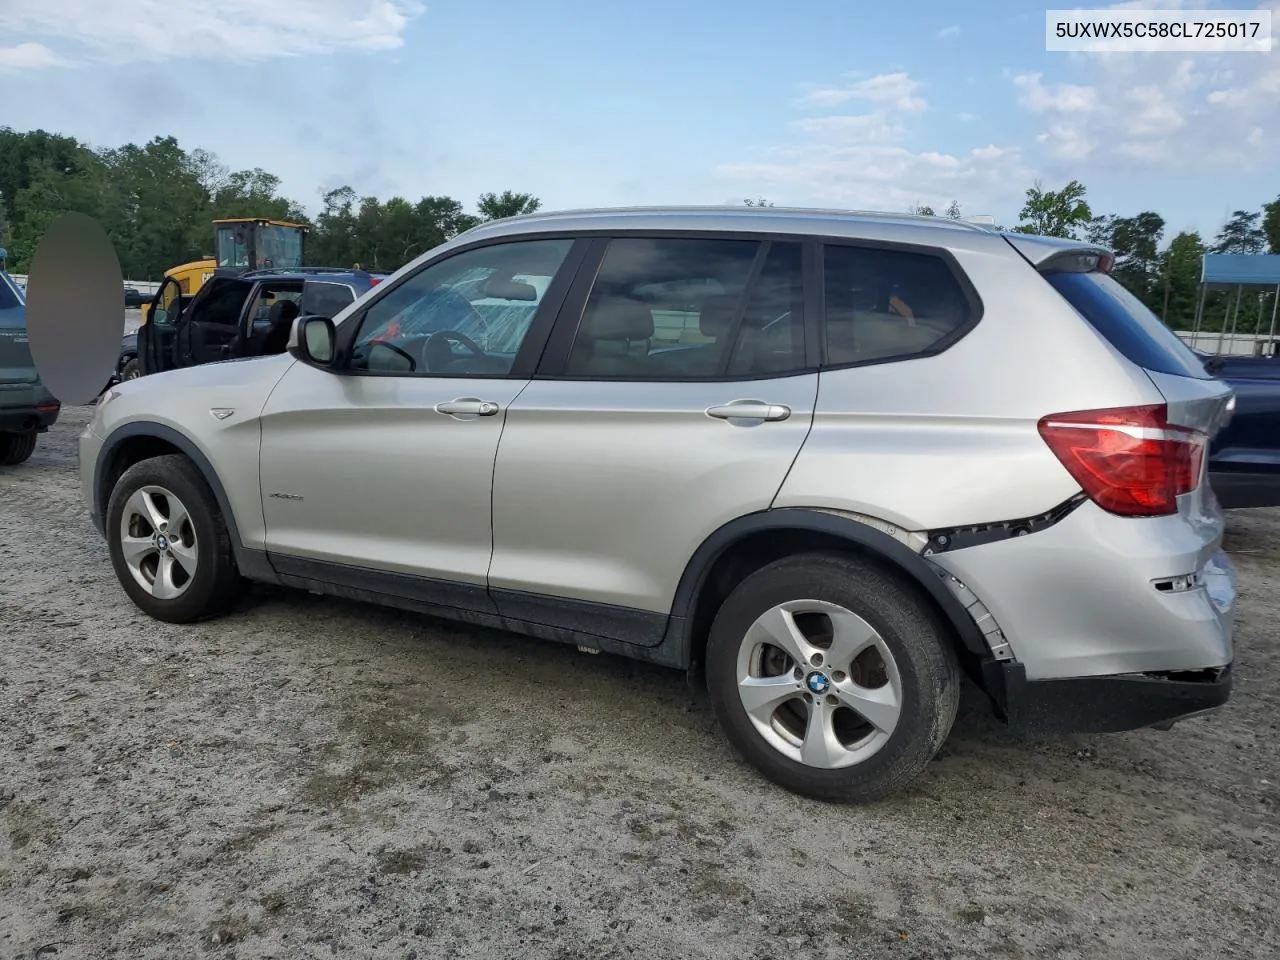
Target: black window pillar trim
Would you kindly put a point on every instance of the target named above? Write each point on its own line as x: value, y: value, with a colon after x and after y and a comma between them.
x: 814, y: 303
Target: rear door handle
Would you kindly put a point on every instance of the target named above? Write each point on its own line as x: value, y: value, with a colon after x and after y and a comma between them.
x: 467, y: 408
x: 749, y: 410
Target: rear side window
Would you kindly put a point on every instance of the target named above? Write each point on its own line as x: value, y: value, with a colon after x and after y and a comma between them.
x: 1127, y: 324
x: 684, y: 308
x: 890, y: 304
x: 326, y: 299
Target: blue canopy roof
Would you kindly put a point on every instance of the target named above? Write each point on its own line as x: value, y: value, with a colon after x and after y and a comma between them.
x: 1241, y: 268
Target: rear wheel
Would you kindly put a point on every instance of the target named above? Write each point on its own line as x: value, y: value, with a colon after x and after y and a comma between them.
x: 131, y: 370
x: 15, y: 448
x: 169, y: 543
x: 832, y: 677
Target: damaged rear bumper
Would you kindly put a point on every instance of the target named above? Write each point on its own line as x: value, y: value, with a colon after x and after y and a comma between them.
x: 1109, y: 704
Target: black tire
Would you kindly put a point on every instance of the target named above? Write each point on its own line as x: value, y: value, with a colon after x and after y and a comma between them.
x: 15, y: 448
x: 912, y: 631
x: 131, y: 370
x: 216, y: 586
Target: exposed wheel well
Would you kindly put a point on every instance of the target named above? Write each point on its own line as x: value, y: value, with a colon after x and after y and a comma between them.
x: 758, y: 549
x: 130, y: 451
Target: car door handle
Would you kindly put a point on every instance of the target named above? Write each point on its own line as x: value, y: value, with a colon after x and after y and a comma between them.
x: 467, y: 407
x: 749, y: 410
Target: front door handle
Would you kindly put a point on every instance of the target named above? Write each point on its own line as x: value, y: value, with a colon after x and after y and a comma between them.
x: 467, y: 408
x: 749, y: 410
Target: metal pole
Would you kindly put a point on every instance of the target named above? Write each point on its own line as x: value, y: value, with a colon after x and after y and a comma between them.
x: 1274, y: 303
x: 1222, y: 331
x: 1235, y: 320
x: 1195, y: 326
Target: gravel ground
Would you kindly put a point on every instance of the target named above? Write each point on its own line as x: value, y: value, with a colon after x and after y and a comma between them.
x: 315, y: 778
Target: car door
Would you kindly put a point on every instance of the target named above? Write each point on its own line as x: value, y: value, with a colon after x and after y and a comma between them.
x: 377, y: 473
x: 16, y: 365
x: 678, y: 388
x: 157, y: 337
x: 207, y: 326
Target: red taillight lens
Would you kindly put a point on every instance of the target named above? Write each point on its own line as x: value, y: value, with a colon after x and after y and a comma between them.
x: 374, y: 281
x: 1128, y: 460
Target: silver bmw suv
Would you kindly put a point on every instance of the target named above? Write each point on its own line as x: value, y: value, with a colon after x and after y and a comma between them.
x: 828, y: 463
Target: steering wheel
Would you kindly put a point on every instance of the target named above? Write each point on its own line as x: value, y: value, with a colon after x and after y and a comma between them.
x: 438, y: 353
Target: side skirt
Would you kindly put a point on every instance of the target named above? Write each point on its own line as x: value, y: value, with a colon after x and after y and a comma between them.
x: 635, y: 634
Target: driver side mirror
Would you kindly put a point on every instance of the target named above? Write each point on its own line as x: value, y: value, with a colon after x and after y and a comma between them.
x: 313, y: 341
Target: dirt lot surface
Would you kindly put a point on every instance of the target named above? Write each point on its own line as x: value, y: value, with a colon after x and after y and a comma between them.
x: 317, y: 778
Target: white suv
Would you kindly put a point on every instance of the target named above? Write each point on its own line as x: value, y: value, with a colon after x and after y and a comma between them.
x: 828, y: 460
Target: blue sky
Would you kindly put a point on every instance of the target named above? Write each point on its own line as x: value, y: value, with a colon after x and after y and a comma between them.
x: 826, y: 102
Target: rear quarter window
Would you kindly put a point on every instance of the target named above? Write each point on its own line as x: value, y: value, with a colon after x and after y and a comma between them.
x: 888, y: 304
x: 1127, y: 324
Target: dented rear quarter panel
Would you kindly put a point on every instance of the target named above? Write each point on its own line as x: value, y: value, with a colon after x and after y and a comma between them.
x: 952, y: 440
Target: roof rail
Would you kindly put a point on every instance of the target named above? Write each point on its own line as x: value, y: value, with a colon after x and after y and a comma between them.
x: 276, y: 271
x: 974, y: 223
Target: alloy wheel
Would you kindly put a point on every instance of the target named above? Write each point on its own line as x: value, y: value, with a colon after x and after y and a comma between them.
x: 819, y: 684
x: 158, y: 542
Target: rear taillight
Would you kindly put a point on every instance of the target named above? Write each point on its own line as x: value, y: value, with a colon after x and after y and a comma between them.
x: 1129, y: 460
x: 374, y: 281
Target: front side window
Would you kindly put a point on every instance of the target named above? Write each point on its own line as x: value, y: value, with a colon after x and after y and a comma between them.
x: 685, y: 308
x: 889, y: 304
x: 224, y: 302
x: 233, y: 245
x: 467, y: 315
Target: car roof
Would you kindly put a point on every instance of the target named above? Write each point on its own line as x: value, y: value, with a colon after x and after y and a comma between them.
x: 318, y: 274
x: 805, y: 222
x: 802, y: 221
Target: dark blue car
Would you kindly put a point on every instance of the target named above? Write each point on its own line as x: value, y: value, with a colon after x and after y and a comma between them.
x: 235, y: 316
x: 1244, y: 461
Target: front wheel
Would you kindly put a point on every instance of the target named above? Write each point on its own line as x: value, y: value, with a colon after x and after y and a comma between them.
x: 832, y: 677
x: 131, y: 370
x: 169, y: 542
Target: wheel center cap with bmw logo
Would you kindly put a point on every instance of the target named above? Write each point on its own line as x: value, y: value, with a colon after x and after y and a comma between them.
x: 817, y: 682
x: 162, y: 542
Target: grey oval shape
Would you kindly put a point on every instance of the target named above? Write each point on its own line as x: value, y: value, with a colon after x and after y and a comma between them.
x: 75, y: 308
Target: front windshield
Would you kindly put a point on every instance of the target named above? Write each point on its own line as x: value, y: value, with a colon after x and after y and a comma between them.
x: 279, y: 247
x: 276, y: 246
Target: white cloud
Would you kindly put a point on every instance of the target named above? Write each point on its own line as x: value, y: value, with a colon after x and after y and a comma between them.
x: 27, y: 56
x: 886, y: 90
x: 1060, y: 98
x: 876, y: 127
x: 156, y: 30
x: 862, y: 161
x: 945, y: 32
x: 1193, y: 111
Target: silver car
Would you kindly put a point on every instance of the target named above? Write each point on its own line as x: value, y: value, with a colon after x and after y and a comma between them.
x: 829, y: 463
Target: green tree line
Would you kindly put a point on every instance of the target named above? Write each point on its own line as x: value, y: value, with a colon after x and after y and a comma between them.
x: 157, y: 203
x: 1163, y: 275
